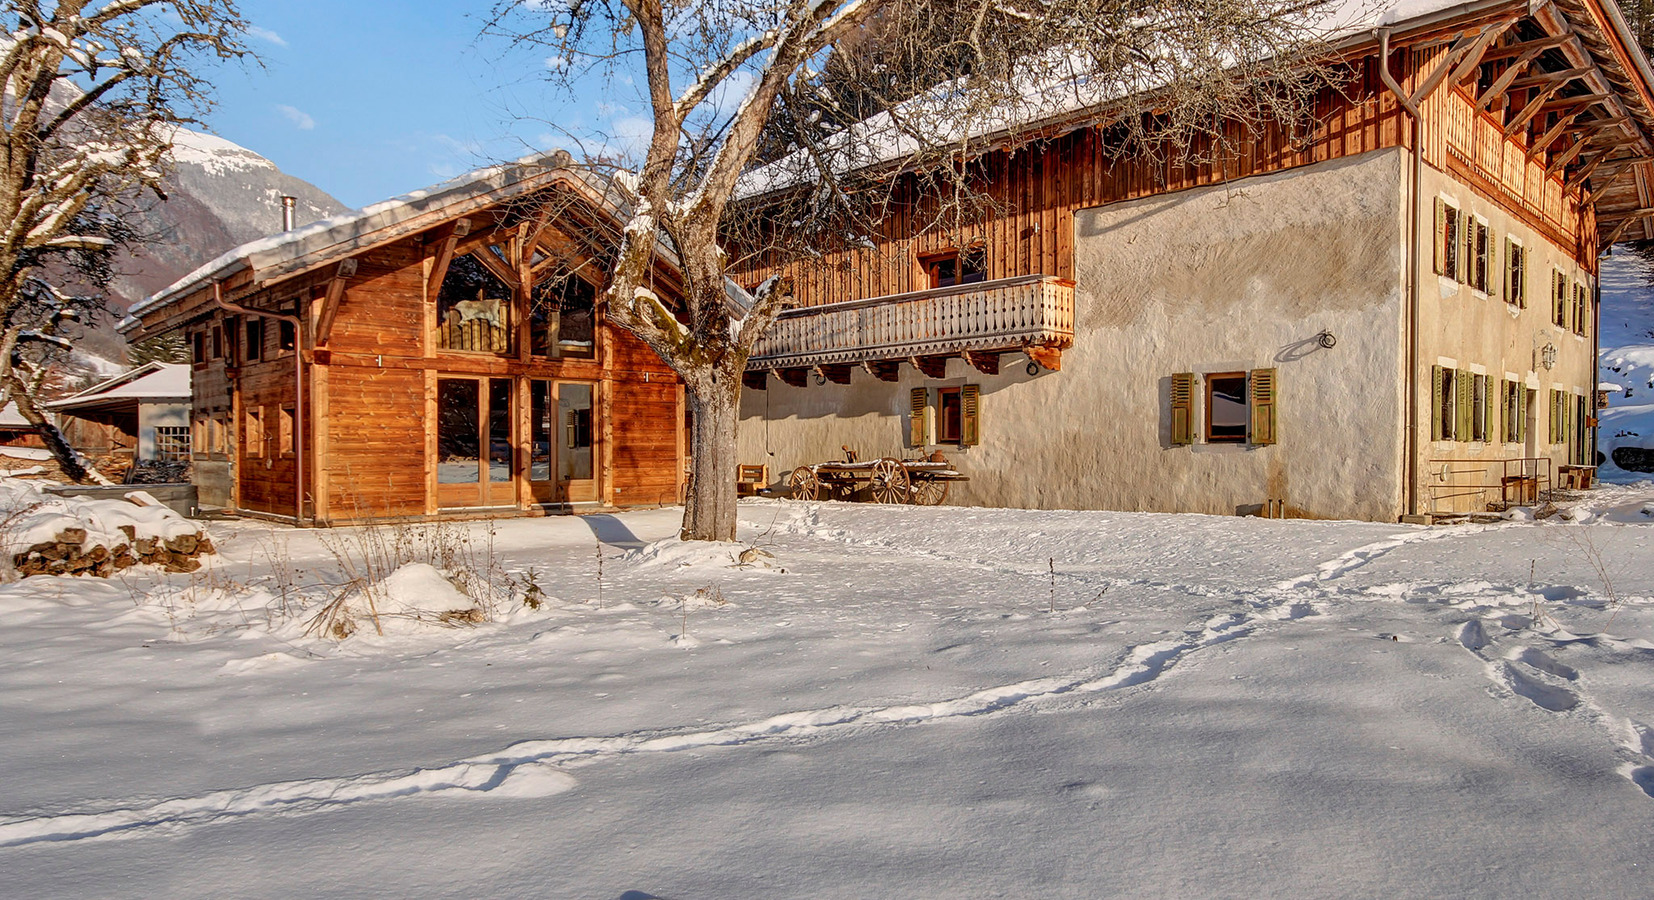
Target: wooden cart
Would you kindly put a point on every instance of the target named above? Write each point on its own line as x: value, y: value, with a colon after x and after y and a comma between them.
x: 923, y: 482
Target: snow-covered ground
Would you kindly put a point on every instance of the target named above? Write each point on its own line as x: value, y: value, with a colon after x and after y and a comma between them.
x: 1626, y: 360
x: 900, y: 702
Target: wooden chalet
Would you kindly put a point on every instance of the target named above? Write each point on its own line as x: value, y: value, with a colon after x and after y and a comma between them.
x: 1391, y: 315
x: 436, y: 354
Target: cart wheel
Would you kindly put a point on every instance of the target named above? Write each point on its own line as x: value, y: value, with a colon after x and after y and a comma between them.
x: 888, y: 481
x: 930, y: 491
x: 803, y: 483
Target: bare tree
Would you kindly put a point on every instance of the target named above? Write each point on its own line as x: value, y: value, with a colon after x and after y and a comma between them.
x: 91, y: 94
x: 783, y: 102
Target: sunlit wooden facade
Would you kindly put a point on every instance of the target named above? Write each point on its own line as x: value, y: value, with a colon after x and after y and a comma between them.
x: 451, y: 356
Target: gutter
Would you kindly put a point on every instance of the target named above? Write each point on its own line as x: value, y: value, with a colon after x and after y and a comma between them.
x: 298, y: 387
x: 1410, y: 380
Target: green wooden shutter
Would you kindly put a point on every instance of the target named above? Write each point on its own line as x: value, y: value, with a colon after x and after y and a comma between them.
x: 1441, y: 236
x: 1521, y: 411
x: 970, y: 415
x: 1491, y: 270
x: 1262, y: 385
x: 1467, y: 250
x: 1555, y: 419
x: 1438, y: 382
x: 1462, y: 395
x: 918, y: 420
x: 1183, y: 408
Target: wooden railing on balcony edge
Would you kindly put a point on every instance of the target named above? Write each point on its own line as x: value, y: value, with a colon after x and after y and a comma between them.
x: 1005, y: 315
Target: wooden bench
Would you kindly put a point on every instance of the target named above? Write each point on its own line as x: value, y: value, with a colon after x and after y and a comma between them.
x: 1577, y: 478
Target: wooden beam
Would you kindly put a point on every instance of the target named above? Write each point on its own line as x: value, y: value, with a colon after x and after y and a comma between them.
x: 1550, y: 136
x: 932, y: 366
x: 1582, y: 100
x: 983, y: 361
x: 1562, y: 77
x: 1619, y: 230
x: 1568, y: 156
x: 1609, y: 179
x: 756, y: 380
x: 1502, y: 83
x: 1527, y: 48
x: 795, y: 377
x: 335, y: 297
x: 1047, y: 357
x: 1532, y: 109
x: 499, y: 267
x: 836, y: 374
x: 1465, y: 51
x: 884, y: 370
x: 1473, y: 56
x: 445, y: 256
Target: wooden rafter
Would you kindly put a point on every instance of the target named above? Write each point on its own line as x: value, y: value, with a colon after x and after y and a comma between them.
x: 985, y: 362
x: 932, y: 366
x: 1552, y: 134
x: 1562, y: 77
x: 1572, y: 153
x: 1047, y: 357
x: 1464, y: 56
x: 445, y: 257
x: 1532, y: 108
x: 1527, y: 48
x: 1581, y: 102
x: 836, y: 374
x: 794, y: 377
x: 334, y: 297
x: 501, y: 269
x: 884, y: 370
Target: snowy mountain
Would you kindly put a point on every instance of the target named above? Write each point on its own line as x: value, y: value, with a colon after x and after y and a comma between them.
x: 1627, y: 362
x: 219, y: 195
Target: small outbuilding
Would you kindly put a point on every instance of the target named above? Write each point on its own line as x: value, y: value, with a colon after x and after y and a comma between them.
x: 145, y: 411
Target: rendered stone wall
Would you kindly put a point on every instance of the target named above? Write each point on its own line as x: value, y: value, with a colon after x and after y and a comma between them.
x: 1208, y: 280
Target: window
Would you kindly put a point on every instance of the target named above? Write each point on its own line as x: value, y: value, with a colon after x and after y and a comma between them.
x: 217, y: 342
x: 198, y: 436
x: 1516, y: 274
x: 1515, y: 406
x: 1480, y: 409
x: 1581, y: 307
x: 955, y: 267
x: 255, y: 340
x: 1481, y: 251
x: 1559, y: 298
x: 253, y: 440
x: 286, y: 336
x: 198, y: 348
x: 1451, y: 404
x: 172, y: 443
x: 563, y: 317
x: 1450, y: 241
x: 1226, y: 413
x: 947, y: 416
x: 220, y: 437
x: 473, y: 307
x: 956, y: 415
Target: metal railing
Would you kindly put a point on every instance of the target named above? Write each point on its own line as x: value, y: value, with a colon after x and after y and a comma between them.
x: 1461, y: 486
x: 1007, y: 314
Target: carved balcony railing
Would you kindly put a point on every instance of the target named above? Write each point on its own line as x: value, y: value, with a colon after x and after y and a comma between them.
x: 1031, y: 312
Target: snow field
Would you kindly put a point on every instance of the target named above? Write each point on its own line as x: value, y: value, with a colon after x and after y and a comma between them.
x: 902, y: 702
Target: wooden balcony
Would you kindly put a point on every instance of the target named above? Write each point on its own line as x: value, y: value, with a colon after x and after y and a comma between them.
x: 1031, y: 313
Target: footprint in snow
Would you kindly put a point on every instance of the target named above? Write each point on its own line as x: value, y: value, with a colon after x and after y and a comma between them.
x: 1472, y: 636
x: 1538, y: 660
x: 1541, y: 693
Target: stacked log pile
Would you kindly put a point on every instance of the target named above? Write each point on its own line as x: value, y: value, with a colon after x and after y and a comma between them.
x: 69, y: 554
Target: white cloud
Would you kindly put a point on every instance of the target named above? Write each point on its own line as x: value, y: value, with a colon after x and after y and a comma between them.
x: 300, y: 119
x: 556, y: 63
x: 265, y: 34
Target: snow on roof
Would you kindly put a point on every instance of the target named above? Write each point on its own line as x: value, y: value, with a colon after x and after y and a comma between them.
x: 11, y: 418
x: 380, y: 220
x: 151, y: 381
x: 879, y: 139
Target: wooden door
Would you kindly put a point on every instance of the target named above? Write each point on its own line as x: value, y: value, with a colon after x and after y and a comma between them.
x: 562, y: 442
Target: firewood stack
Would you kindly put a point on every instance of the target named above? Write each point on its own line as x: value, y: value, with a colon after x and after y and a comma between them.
x: 69, y: 554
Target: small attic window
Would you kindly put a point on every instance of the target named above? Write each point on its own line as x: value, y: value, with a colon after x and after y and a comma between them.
x: 563, y: 317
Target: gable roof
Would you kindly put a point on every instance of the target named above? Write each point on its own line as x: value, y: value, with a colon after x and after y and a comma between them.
x: 151, y: 382
x: 295, y: 252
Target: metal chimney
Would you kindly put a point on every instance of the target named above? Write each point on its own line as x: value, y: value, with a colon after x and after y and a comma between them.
x: 287, y: 204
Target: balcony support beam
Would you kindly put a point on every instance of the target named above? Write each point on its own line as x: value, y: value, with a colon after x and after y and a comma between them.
x: 1049, y: 358
x: 931, y: 366
x: 836, y: 374
x: 884, y: 370
x: 986, y: 363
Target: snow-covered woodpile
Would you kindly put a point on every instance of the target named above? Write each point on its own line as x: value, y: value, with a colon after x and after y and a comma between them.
x: 49, y: 535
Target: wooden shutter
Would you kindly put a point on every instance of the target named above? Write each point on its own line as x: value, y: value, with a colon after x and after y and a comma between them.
x: 1467, y: 250
x: 1521, y: 411
x: 1441, y: 236
x: 1462, y: 394
x: 1438, y: 382
x: 1183, y: 408
x: 970, y: 415
x: 1559, y: 297
x: 918, y: 417
x: 1261, y: 383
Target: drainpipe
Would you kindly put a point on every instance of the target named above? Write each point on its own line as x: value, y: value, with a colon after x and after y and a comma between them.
x: 298, y: 388
x: 1410, y: 464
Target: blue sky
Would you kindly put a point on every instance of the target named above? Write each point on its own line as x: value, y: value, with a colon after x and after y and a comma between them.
x: 368, y: 99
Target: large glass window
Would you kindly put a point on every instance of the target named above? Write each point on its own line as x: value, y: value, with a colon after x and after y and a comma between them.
x: 456, y: 431
x: 563, y: 316
x: 540, y: 429
x: 499, y: 429
x: 473, y: 308
x: 574, y: 426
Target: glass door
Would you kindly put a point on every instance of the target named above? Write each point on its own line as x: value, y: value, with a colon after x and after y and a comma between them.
x: 474, y: 458
x: 561, y: 442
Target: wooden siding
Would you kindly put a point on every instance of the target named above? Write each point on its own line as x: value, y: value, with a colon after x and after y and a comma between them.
x: 1034, y: 189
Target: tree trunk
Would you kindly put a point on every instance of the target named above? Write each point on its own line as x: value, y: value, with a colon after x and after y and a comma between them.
x: 709, y: 511
x: 67, y: 458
